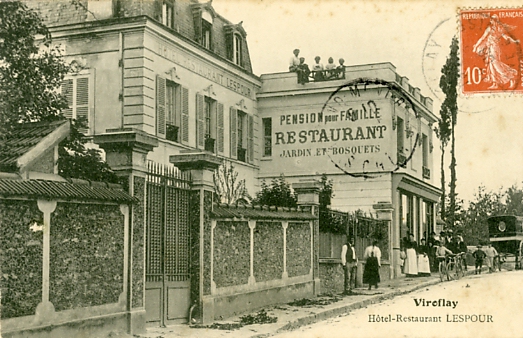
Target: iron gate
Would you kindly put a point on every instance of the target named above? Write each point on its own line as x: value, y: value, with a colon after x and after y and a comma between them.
x: 167, y: 286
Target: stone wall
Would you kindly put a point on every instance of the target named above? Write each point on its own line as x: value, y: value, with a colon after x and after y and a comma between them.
x: 268, y: 251
x: 231, y: 253
x: 87, y: 255
x: 332, y: 278
x: 298, y: 248
x: 21, y: 258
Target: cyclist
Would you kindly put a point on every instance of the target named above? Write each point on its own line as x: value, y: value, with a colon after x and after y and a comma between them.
x: 442, y: 252
x: 463, y: 249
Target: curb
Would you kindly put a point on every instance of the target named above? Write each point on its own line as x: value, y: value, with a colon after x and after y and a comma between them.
x: 344, y: 309
x: 331, y: 313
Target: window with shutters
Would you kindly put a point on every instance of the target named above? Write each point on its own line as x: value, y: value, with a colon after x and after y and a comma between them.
x: 267, y: 136
x: 168, y: 13
x: 237, y: 45
x: 241, y: 135
x: 400, y: 134
x: 76, y: 90
x: 206, y: 34
x: 207, y: 126
x: 173, y: 111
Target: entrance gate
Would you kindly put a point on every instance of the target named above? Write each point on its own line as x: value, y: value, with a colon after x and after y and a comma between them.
x: 167, y: 278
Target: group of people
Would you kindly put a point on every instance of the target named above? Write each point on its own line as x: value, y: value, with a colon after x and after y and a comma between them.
x: 488, y: 254
x: 349, y: 260
x: 416, y: 260
x: 318, y: 72
x: 420, y: 260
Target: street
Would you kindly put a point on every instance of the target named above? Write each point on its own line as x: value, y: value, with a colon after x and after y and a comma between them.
x: 487, y: 305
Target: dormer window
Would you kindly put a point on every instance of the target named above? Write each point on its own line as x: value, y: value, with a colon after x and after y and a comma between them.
x: 203, y: 17
x: 168, y: 13
x: 235, y: 43
x: 206, y: 34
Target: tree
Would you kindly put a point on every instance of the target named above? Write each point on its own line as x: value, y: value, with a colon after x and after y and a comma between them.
x: 279, y: 193
x: 329, y: 221
x: 485, y: 204
x: 449, y: 111
x: 227, y: 187
x: 326, y: 192
x: 31, y: 71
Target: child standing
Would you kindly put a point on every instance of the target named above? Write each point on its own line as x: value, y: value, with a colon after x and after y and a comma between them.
x: 479, y: 255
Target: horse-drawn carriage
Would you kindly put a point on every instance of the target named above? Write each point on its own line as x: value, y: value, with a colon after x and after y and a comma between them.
x: 506, y: 235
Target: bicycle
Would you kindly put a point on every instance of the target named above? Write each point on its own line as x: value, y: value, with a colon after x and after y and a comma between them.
x: 451, y: 267
x: 455, y: 267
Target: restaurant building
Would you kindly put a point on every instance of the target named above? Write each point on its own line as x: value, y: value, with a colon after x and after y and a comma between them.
x: 369, y: 130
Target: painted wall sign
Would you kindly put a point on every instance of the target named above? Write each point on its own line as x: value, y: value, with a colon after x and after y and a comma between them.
x: 353, y: 130
x: 188, y: 62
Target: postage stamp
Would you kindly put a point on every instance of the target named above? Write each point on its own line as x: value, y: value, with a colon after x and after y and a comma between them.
x: 491, y: 54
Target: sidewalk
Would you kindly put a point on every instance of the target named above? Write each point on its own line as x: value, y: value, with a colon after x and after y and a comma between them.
x: 291, y: 317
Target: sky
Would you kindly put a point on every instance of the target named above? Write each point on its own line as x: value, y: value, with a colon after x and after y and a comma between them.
x: 489, y: 135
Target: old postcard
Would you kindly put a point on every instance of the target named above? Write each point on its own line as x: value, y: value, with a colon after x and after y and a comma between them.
x: 260, y: 168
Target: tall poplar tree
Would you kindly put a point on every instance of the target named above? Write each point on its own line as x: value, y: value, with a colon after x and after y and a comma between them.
x: 449, y: 112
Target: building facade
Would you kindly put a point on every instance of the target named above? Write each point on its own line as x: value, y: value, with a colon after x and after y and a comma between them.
x: 177, y: 71
x: 369, y: 130
x: 164, y: 78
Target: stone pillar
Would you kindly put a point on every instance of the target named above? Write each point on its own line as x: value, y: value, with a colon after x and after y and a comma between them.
x: 309, y: 198
x: 126, y: 153
x: 201, y: 167
x: 384, y: 213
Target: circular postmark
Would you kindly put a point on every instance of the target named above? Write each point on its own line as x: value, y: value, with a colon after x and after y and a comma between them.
x: 368, y: 117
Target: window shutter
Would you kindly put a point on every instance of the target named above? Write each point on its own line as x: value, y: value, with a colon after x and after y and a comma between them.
x: 67, y: 92
x: 233, y: 130
x: 200, y: 121
x: 229, y: 45
x: 197, y: 20
x: 250, y: 139
x: 185, y: 115
x: 160, y: 106
x: 219, y: 125
x: 82, y: 101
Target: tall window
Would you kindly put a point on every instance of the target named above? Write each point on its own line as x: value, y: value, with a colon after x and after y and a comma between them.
x: 406, y: 212
x: 238, y: 57
x: 173, y: 111
x: 241, y: 128
x: 168, y: 13
x: 206, y: 34
x: 208, y: 117
x: 208, y: 124
x: 242, y: 135
x: 267, y: 136
x: 425, y: 150
x: 400, y: 131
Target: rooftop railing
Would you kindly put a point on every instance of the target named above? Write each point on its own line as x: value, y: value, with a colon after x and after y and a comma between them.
x: 327, y: 75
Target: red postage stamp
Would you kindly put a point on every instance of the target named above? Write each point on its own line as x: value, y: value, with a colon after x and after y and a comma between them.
x: 491, y: 54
